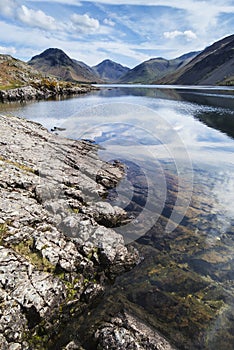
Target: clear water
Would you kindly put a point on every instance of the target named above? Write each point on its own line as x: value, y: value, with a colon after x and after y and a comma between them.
x: 177, y: 144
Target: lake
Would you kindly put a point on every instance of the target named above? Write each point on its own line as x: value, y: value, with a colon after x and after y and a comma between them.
x: 177, y: 144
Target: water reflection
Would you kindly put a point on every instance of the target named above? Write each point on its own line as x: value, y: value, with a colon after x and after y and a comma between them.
x: 223, y: 121
x: 166, y: 137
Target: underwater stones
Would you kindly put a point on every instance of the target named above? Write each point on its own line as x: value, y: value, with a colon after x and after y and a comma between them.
x: 127, y: 332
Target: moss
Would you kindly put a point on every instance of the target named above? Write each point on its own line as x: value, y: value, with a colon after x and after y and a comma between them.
x: 92, y: 253
x: 39, y: 339
x: 11, y: 86
x: 25, y: 248
x: 18, y: 165
x: 3, y: 228
x: 3, y: 231
x: 70, y: 286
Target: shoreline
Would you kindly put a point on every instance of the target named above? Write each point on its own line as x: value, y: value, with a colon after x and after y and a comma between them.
x: 58, y: 249
x: 40, y: 91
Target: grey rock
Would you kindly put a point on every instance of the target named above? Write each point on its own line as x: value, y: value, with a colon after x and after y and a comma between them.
x: 105, y: 214
x: 40, y: 91
x: 73, y: 346
x: 127, y: 332
x: 55, y: 249
x: 30, y: 288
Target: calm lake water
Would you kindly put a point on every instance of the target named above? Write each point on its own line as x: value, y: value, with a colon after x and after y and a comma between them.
x: 178, y: 148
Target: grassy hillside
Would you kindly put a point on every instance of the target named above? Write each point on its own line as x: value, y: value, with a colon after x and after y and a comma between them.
x: 15, y: 73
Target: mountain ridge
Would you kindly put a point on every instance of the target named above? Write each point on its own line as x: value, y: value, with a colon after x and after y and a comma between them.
x: 154, y: 68
x: 213, y: 66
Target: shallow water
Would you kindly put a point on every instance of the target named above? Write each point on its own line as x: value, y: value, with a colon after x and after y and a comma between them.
x: 177, y: 145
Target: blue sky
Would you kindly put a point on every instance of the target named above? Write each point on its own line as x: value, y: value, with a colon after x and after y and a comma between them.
x: 126, y: 31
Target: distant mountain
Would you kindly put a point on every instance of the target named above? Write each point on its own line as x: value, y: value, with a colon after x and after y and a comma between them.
x: 110, y: 71
x: 56, y: 62
x: 213, y: 66
x: 15, y: 73
x: 155, y: 68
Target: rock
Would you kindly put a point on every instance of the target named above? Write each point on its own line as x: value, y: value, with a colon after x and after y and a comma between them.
x: 73, y: 346
x: 24, y: 93
x: 33, y: 290
x: 57, y: 246
x: 126, y: 332
x: 40, y: 91
x: 107, y: 215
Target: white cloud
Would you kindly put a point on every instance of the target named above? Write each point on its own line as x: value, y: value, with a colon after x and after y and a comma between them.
x: 188, y: 34
x: 126, y: 36
x: 182, y: 4
x: 66, y: 2
x: 85, y: 24
x: 109, y: 22
x: 35, y: 18
x: 7, y: 50
x: 7, y: 8
x: 30, y: 42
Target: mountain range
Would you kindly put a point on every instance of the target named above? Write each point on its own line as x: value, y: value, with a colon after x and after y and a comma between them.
x: 148, y: 71
x: 212, y: 66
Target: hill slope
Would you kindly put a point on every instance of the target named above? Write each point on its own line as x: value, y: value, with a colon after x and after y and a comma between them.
x: 14, y: 73
x: 214, y: 65
x: 110, y: 71
x: 155, y: 68
x: 56, y: 62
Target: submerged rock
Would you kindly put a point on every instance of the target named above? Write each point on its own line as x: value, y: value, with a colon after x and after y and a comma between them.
x: 127, y: 332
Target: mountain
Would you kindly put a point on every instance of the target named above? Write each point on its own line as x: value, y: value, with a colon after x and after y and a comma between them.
x: 155, y: 68
x: 15, y: 73
x: 56, y: 62
x: 110, y: 71
x: 213, y: 66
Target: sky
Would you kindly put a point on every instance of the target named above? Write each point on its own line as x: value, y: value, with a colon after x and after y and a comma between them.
x: 126, y: 31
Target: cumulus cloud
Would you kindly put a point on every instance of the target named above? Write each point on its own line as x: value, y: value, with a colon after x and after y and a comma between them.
x: 188, y: 34
x: 7, y: 50
x: 109, y: 22
x: 35, y: 18
x: 85, y: 24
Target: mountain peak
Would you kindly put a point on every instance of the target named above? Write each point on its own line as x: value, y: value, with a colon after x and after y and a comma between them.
x: 107, y: 60
x: 56, y: 62
x: 52, y: 50
x: 110, y: 70
x: 54, y: 56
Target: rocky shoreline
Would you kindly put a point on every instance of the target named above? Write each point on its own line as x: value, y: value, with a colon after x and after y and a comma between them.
x: 58, y: 249
x: 40, y: 91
